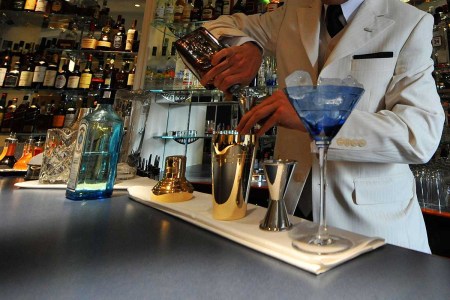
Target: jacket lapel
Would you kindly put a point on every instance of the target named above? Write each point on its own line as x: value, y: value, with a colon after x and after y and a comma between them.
x: 368, y: 22
x: 308, y: 18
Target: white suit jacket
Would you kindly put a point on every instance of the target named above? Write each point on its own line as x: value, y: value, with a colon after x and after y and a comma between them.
x: 398, y: 121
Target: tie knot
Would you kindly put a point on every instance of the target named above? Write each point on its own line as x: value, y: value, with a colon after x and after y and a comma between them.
x: 332, y: 19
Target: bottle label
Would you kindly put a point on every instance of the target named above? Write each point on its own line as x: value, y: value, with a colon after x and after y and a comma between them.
x: 26, y: 78
x: 73, y: 82
x: 60, y: 81
x: 41, y: 5
x: 88, y: 43
x: 50, y: 77
x: 30, y: 5
x: 130, y: 40
x: 39, y: 74
x: 2, y: 75
x: 130, y: 80
x: 159, y: 13
x: 108, y: 81
x: 117, y: 44
x: 58, y: 121
x: 77, y: 155
x: 226, y: 7
x: 104, y: 44
x: 11, y: 81
x: 207, y: 14
x: 85, y: 80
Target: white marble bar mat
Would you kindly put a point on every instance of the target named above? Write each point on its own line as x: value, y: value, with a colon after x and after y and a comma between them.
x: 246, y: 231
x: 120, y: 185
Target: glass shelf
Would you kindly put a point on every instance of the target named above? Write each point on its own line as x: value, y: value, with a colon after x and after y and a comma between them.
x: 180, y: 139
x: 177, y: 30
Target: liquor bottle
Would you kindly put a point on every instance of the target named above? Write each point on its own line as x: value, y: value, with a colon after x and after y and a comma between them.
x: 104, y: 43
x: 196, y: 12
x: 103, y: 16
x: 67, y: 38
x: 18, y: 4
x: 218, y: 8
x: 159, y: 11
x: 169, y: 11
x: 238, y: 7
x: 51, y: 72
x: 8, y: 118
x: 26, y: 73
x: 250, y: 7
x: 226, y: 10
x: 178, y: 11
x: 89, y: 42
x: 61, y: 76
x: 208, y: 11
x: 40, y: 68
x: 12, y: 77
x: 170, y: 69
x: 19, y: 114
x: 94, y: 163
x: 27, y: 154
x: 130, y: 36
x: 31, y: 117
x: 2, y: 106
x: 73, y: 79
x: 109, y: 74
x: 187, y: 12
x: 30, y: 5
x: 119, y: 40
x: 38, y: 147
x: 86, y: 74
x: 122, y: 76
x: 70, y: 112
x: 8, y: 161
x: 59, y: 113
x: 4, y: 68
x: 42, y: 6
x: 115, y: 27
x: 131, y: 75
x: 97, y: 77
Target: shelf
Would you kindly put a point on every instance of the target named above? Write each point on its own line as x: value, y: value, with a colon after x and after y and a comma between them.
x: 177, y: 30
x: 93, y: 52
x: 180, y: 139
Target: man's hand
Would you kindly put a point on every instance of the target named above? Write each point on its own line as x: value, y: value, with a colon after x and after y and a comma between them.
x: 234, y: 65
x: 274, y: 110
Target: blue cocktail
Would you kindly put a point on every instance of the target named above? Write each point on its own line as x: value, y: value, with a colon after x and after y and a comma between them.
x: 323, y: 110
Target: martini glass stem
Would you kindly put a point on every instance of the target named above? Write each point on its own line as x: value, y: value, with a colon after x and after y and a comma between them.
x: 322, y: 237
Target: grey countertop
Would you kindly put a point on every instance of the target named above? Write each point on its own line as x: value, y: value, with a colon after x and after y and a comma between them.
x: 54, y: 248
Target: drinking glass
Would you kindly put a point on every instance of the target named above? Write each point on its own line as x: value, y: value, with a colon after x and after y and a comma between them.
x: 323, y: 109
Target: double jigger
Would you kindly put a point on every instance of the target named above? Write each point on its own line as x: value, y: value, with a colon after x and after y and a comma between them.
x: 278, y: 174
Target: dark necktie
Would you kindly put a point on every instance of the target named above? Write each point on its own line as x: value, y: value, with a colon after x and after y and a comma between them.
x: 334, y: 25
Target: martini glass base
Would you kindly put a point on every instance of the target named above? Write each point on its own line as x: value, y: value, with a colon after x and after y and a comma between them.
x: 306, y: 239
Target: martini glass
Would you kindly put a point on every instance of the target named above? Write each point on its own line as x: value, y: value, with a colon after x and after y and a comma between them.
x: 323, y: 110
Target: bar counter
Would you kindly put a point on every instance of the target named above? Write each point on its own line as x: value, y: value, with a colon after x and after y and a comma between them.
x: 116, y: 248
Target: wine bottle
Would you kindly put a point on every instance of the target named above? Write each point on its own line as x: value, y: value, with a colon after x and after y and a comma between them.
x: 97, y: 77
x: 59, y: 113
x: 86, y: 74
x: 40, y: 67
x: 118, y: 43
x: 26, y: 73
x: 208, y: 11
x: 196, y: 13
x: 187, y: 12
x: 131, y: 75
x: 130, y: 36
x: 2, y: 106
x: 4, y: 68
x: 51, y: 72
x: 8, y: 118
x: 104, y: 43
x: 178, y: 11
x: 89, y: 42
x: 12, y: 77
x: 169, y: 11
x: 94, y: 163
x: 159, y: 11
x: 122, y: 76
x: 61, y: 76
x: 31, y: 116
x: 19, y: 114
x: 73, y: 79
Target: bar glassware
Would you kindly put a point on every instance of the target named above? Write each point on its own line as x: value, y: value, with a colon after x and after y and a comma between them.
x: 323, y: 109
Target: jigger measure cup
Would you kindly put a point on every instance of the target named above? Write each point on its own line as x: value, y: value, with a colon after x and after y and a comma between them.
x: 232, y: 164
